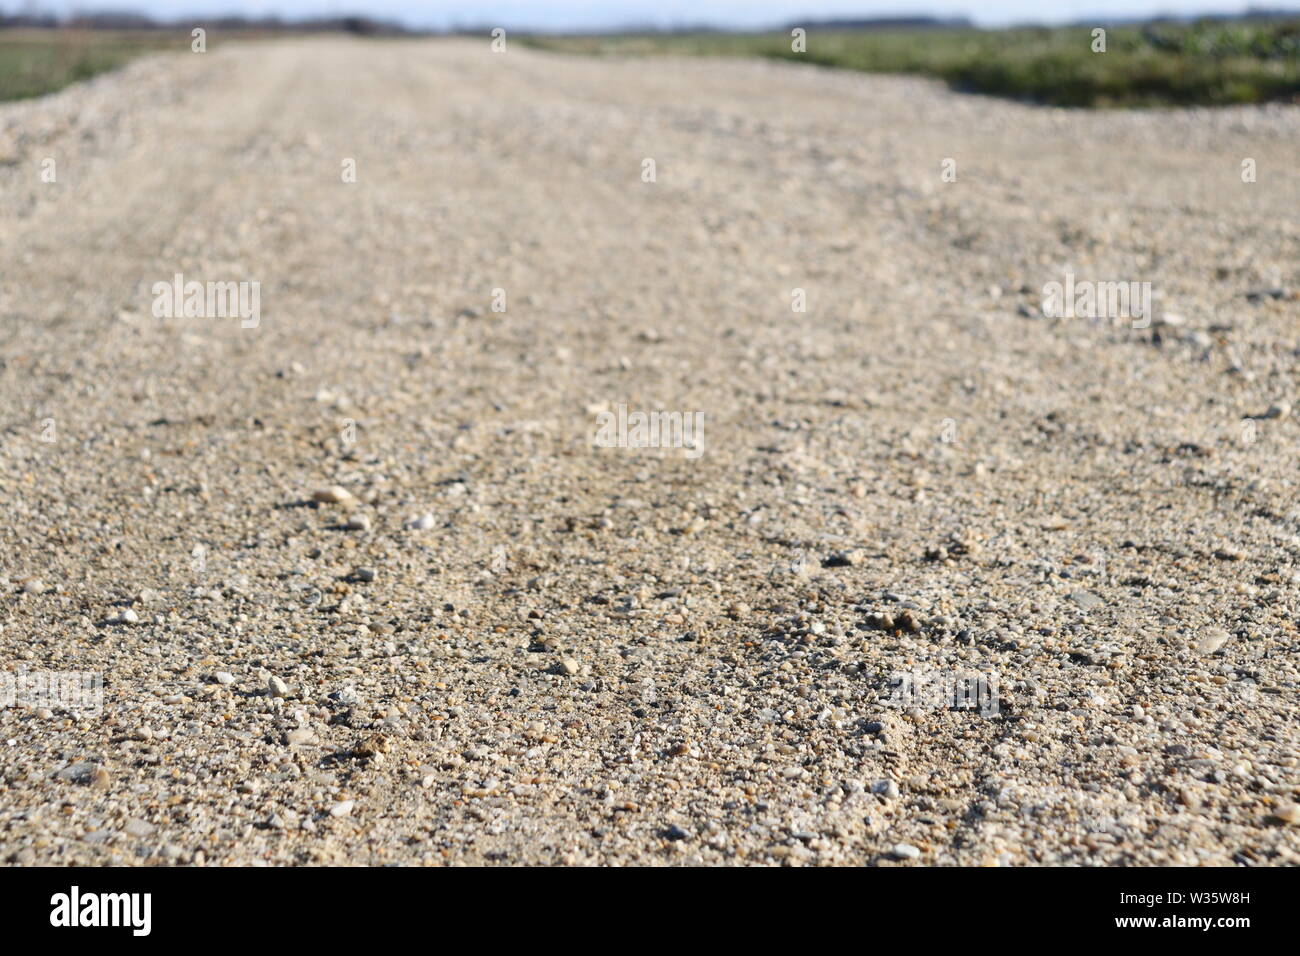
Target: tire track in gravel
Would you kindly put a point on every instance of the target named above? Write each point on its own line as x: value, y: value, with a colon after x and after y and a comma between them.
x: 167, y: 214
x: 158, y: 199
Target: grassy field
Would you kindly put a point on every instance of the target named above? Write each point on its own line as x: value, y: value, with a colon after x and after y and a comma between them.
x: 1161, y: 65
x: 36, y: 62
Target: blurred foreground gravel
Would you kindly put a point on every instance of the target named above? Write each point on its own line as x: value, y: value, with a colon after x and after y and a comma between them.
x: 496, y: 642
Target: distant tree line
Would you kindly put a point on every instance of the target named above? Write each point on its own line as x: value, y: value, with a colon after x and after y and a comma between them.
x: 125, y: 20
x: 368, y: 26
x: 886, y: 23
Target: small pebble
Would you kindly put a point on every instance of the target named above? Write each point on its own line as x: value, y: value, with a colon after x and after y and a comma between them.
x: 904, y: 851
x: 138, y: 828
x: 1212, y: 640
x: 909, y: 621
x: 1086, y: 599
x: 76, y: 772
x: 1288, y: 813
x: 335, y: 495
x: 845, y: 559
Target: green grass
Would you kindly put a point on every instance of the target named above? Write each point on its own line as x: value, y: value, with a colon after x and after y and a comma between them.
x: 1204, y: 63
x: 36, y: 62
x: 1166, y: 65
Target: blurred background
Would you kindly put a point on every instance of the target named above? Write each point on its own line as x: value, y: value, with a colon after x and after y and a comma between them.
x: 571, y: 15
x: 1156, y: 52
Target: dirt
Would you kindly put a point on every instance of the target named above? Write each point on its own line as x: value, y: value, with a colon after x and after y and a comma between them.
x: 507, y: 642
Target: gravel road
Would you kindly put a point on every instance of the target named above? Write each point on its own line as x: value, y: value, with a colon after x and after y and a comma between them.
x: 364, y: 585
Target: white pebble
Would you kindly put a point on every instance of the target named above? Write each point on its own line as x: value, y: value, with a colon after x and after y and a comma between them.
x: 1288, y: 813
x: 1212, y: 640
x: 334, y: 495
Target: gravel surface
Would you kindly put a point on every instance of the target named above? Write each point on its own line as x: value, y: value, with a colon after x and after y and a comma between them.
x: 364, y: 584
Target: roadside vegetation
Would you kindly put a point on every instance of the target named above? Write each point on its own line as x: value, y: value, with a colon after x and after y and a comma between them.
x: 36, y: 62
x: 1211, y: 63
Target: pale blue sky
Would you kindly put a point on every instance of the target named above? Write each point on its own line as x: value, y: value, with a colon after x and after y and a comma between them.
x: 584, y: 14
